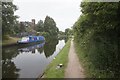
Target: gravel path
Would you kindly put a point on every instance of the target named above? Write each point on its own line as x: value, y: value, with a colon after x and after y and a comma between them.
x: 74, y: 69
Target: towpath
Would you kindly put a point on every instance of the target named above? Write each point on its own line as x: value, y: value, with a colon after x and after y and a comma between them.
x: 74, y: 68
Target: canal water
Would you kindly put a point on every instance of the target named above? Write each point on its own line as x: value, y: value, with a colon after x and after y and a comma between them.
x: 29, y: 61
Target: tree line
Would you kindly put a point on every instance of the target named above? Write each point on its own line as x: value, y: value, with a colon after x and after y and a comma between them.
x: 97, y: 33
x: 8, y: 18
x: 47, y: 28
x: 10, y: 25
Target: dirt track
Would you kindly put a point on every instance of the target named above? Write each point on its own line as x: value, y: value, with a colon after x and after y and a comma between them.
x: 74, y: 69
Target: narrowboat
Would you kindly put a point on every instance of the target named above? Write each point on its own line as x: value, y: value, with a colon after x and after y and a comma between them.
x: 31, y: 39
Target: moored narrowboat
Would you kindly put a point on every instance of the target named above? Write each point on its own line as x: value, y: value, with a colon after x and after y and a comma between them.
x: 30, y: 39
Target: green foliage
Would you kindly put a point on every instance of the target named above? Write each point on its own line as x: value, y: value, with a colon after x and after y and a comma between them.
x: 50, y: 26
x: 68, y: 32
x: 16, y: 28
x: 8, y: 18
x: 97, y: 33
x: 47, y: 28
x: 40, y: 26
x: 61, y: 33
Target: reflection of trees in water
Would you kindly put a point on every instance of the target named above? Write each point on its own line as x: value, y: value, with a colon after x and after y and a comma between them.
x: 50, y: 47
x: 9, y: 69
x: 9, y: 53
x: 33, y: 51
x: 39, y: 47
x: 66, y: 39
x: 40, y: 50
x: 33, y: 48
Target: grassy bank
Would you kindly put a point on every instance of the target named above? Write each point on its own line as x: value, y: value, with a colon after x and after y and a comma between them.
x: 62, y: 57
x: 9, y: 41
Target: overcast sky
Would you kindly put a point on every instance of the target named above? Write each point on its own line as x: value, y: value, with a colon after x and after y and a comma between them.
x: 64, y: 12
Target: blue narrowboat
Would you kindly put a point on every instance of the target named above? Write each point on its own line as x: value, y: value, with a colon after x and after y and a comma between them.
x: 30, y: 39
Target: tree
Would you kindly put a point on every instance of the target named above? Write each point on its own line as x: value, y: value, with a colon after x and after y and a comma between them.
x: 68, y: 32
x: 97, y: 35
x: 40, y: 26
x: 16, y: 28
x: 61, y: 33
x: 8, y: 17
x: 50, y: 27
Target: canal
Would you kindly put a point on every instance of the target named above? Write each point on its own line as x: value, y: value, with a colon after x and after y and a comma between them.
x: 29, y: 61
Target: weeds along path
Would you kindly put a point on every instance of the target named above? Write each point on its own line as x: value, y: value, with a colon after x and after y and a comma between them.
x: 74, y: 69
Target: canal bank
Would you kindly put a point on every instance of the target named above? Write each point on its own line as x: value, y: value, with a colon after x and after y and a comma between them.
x: 9, y: 41
x: 53, y: 70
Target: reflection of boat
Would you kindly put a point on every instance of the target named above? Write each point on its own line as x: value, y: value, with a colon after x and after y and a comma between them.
x: 29, y: 39
x: 31, y: 48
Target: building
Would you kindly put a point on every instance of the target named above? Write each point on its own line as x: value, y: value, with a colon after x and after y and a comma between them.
x: 33, y: 23
x: 28, y: 24
x: 27, y: 28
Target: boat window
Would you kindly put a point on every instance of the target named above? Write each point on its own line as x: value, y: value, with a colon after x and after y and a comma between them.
x: 25, y: 38
x: 37, y: 38
x: 32, y: 38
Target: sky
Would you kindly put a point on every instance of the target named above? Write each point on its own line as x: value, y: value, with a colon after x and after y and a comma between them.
x: 64, y: 12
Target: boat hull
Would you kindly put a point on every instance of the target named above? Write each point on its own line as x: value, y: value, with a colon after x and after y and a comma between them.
x: 31, y: 39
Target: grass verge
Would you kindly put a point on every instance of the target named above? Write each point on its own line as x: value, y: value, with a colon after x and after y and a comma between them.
x: 9, y: 41
x: 62, y: 57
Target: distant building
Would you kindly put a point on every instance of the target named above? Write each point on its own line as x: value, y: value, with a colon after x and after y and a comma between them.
x: 33, y: 23
x: 27, y: 28
x: 28, y: 24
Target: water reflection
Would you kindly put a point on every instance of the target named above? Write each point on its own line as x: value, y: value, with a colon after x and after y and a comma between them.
x: 9, y: 69
x: 28, y: 61
x: 32, y: 48
x: 50, y: 47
